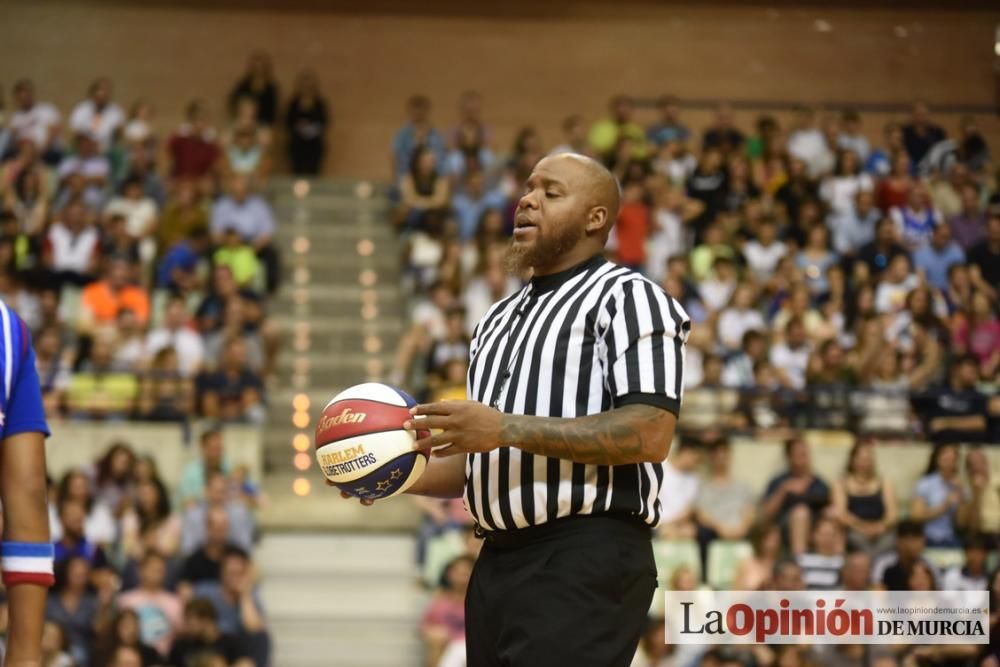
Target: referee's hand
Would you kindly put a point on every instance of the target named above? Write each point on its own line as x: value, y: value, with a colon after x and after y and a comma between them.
x: 465, y: 426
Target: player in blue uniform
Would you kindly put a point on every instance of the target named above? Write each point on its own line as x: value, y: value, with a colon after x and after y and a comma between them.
x: 26, y: 552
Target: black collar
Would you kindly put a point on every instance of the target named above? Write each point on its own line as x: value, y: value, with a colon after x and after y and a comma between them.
x: 552, y: 281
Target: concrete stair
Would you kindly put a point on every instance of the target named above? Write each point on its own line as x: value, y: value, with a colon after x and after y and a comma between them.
x: 344, y: 600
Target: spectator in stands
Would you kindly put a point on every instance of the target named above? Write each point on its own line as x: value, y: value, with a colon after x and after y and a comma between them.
x: 606, y: 134
x: 722, y: 133
x: 807, y: 142
x: 864, y: 502
x: 99, y: 525
x: 150, y: 524
x: 74, y: 607
x: 257, y: 84
x: 307, y: 120
x: 237, y: 605
x: 896, y: 284
x: 97, y: 390
x: 790, y: 357
x: 71, y: 251
x: 856, y: 573
x: 130, y: 342
x: 968, y: 226
x: 103, y: 300
x: 194, y: 150
x: 164, y: 394
x: 239, y: 256
x: 935, y: 259
x: 879, y: 253
x: 470, y: 140
x: 204, y: 564
x: 920, y: 134
x: 632, y: 227
x: 939, y: 499
x: 98, y: 114
x: 126, y: 656
x: 857, y: 227
x: 176, y: 333
x: 217, y: 496
x: 38, y: 122
x: 763, y: 252
x: 724, y: 507
x: 196, y: 472
x: 73, y: 542
x: 200, y: 635
x: 424, y: 194
x: 471, y: 202
x: 454, y: 346
x: 984, y: 516
x: 668, y: 127
x: 707, y: 185
x: 915, y: 222
x: 985, y: 257
x: 159, y: 610
x: 122, y: 631
x: 796, y: 497
x: 821, y: 567
x: 114, y: 475
x: 972, y: 575
x: 54, y: 646
x: 140, y: 215
x: 739, y: 318
x: 574, y: 131
x: 679, y: 491
x: 417, y: 133
x: 54, y: 366
x: 252, y: 219
x: 816, y: 259
x: 787, y: 576
x: 245, y: 154
x: 852, y: 137
x: 444, y: 620
x: 232, y: 392
x: 957, y: 412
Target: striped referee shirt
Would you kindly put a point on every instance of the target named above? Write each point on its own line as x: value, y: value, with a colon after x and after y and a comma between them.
x: 586, y: 340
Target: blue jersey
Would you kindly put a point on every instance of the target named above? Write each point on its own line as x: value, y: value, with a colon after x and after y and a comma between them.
x: 20, y: 395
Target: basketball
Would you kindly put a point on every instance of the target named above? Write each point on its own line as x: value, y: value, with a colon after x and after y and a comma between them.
x: 361, y: 445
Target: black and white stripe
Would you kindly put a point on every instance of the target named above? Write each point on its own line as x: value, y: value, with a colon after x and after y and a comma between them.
x: 587, y: 340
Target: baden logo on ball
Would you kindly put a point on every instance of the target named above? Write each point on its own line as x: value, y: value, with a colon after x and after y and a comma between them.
x: 361, y: 445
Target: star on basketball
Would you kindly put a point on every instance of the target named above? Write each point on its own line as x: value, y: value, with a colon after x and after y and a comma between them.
x: 395, y: 474
x: 382, y: 486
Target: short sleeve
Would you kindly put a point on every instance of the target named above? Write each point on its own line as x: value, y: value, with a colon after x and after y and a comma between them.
x: 25, y: 413
x: 644, y: 343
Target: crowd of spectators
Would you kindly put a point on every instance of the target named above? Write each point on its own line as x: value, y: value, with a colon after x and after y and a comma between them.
x: 833, y: 282
x: 146, y: 577
x: 143, y: 260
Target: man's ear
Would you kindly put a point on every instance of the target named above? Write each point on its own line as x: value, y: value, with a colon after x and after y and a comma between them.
x: 598, y: 219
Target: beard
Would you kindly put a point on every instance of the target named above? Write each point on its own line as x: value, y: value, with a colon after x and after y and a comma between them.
x: 546, y: 250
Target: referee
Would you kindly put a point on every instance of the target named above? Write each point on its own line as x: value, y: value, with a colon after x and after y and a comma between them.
x: 576, y: 381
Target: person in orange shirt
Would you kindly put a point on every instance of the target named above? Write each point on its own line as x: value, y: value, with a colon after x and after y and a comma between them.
x: 102, y: 300
x: 632, y: 227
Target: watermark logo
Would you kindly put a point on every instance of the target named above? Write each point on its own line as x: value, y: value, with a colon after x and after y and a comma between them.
x: 827, y: 617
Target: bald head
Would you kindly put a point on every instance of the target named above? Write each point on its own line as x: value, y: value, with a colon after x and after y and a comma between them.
x: 598, y: 185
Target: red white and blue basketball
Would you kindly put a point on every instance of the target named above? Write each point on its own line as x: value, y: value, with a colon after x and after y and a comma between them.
x: 361, y: 445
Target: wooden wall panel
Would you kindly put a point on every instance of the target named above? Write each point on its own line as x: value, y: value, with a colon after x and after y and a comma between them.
x: 533, y: 66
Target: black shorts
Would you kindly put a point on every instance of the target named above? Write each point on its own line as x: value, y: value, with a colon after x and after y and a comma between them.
x: 573, y: 592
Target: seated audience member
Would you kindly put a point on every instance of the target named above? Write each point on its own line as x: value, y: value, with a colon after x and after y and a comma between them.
x: 217, y: 496
x: 787, y: 576
x: 892, y: 570
x: 738, y: 371
x: 200, y: 634
x: 55, y: 646
x: 972, y: 575
x: 424, y: 194
x: 72, y: 246
x: 864, y: 502
x: 763, y: 253
x: 74, y: 607
x: 164, y: 394
x: 724, y: 507
x: 193, y: 147
x: 150, y: 524
x: 251, y: 217
x: 232, y: 393
x: 237, y: 605
x: 877, y: 255
x: 114, y: 476
x: 977, y: 332
x: 984, y: 258
x: 99, y: 526
x: 246, y: 154
x: 935, y: 258
x: 159, y: 610
x: 739, y: 317
x: 196, y: 472
x: 915, y: 222
x: 921, y: 578
x: 236, y: 324
x: 857, y: 571
x: 205, y: 563
x: 102, y: 300
x: 176, y: 332
x: 790, y: 357
x: 122, y: 630
x: 957, y: 412
x: 795, y: 498
x: 73, y: 542
x: 239, y: 256
x: 471, y: 202
x: 821, y: 567
x: 54, y: 369
x: 185, y: 214
x: 754, y: 572
x: 307, y: 119
x: 444, y: 620
x: 178, y: 270
x: 984, y: 516
x: 98, y: 113
x: 679, y: 491
x: 97, y: 390
x: 126, y: 656
x: 140, y: 213
x: 416, y: 133
x: 939, y: 500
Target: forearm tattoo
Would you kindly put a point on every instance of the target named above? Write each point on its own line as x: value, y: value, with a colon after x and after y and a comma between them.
x: 630, y: 434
